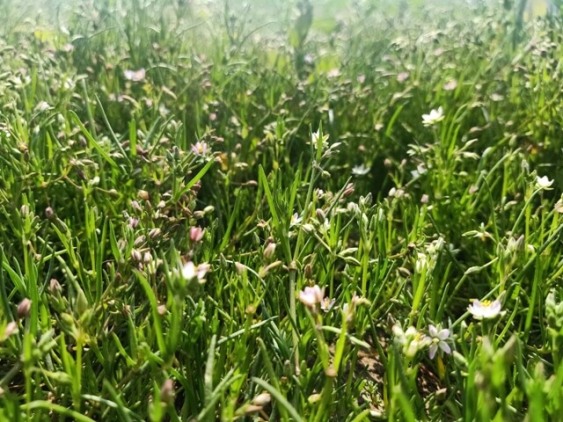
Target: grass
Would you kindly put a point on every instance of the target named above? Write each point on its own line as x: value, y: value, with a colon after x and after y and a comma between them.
x: 212, y: 211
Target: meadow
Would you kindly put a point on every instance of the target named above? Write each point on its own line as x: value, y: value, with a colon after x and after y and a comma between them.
x: 317, y: 210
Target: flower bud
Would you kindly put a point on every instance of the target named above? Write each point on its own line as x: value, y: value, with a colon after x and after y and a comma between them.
x: 269, y: 250
x: 167, y: 391
x: 143, y: 194
x: 55, y: 287
x: 49, y: 213
x: 196, y: 234
x: 24, y: 308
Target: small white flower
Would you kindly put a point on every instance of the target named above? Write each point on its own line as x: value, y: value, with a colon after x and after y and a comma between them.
x: 421, y: 263
x: 200, y: 149
x: 484, y: 309
x: 433, y: 117
x: 311, y: 296
x: 296, y: 219
x: 327, y: 304
x: 360, y: 170
x: 191, y: 271
x: 437, y: 339
x: 543, y: 183
x: 319, y: 140
x: 134, y: 75
x: 42, y: 106
x: 202, y: 270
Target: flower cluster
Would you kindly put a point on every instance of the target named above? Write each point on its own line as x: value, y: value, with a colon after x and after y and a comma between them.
x: 410, y: 341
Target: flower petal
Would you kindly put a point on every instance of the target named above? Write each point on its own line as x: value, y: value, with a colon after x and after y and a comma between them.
x: 445, y: 347
x: 432, y: 350
x: 443, y: 334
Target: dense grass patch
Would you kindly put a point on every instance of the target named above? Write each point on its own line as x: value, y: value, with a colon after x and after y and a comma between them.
x: 284, y: 210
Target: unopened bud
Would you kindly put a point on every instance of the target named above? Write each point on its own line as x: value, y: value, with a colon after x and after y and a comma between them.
x: 143, y: 194
x: 262, y: 399
x: 331, y: 372
x: 348, y: 190
x: 269, y: 250
x: 24, y: 210
x: 139, y: 241
x: 196, y: 187
x: 167, y: 391
x: 11, y: 328
x: 135, y: 205
x: 23, y: 308
x: 308, y: 270
x: 198, y: 214
x: 196, y: 234
x: 49, y: 213
x: 136, y: 255
x: 55, y: 287
x: 240, y: 268
x: 154, y: 232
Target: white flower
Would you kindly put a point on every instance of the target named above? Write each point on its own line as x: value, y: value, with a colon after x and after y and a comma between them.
x: 433, y: 117
x: 42, y: 106
x: 421, y: 263
x: 437, y: 339
x: 311, y: 296
x: 484, y: 309
x: 543, y: 183
x: 360, y: 170
x: 134, y: 75
x: 319, y: 140
x: 191, y: 271
x: 411, y: 340
x: 296, y: 219
x: 200, y: 148
x: 327, y: 304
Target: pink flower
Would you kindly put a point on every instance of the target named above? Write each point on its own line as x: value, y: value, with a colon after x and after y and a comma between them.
x: 311, y: 296
x: 196, y: 234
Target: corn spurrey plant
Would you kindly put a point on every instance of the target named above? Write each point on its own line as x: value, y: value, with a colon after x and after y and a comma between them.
x: 273, y: 211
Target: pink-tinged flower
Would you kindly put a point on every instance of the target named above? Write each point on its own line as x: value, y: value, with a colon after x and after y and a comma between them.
x: 485, y: 309
x: 438, y: 339
x: 200, y: 149
x: 11, y: 328
x: 190, y: 271
x: 269, y: 250
x: 196, y: 234
x: 402, y: 77
x: 450, y: 85
x: 134, y: 75
x: 133, y: 222
x: 311, y: 296
x: 24, y: 308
